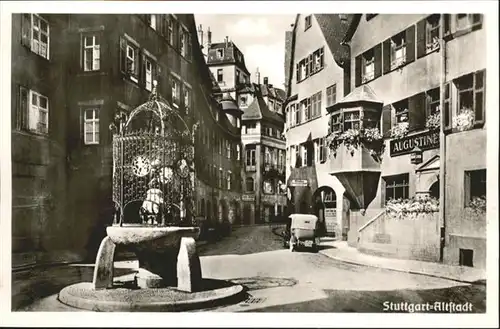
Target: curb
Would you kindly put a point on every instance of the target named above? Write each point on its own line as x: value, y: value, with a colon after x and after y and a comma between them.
x: 481, y: 282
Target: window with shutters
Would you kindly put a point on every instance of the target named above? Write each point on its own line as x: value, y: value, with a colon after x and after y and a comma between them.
x: 465, y: 21
x: 398, y: 50
x: 316, y: 105
x: 33, y: 112
x: 185, y: 43
x: 91, y: 126
x: 401, y: 109
x: 320, y: 151
x: 336, y: 123
x: 368, y: 66
x: 397, y: 187
x: 331, y: 95
x: 129, y: 52
x: 318, y: 60
x: 250, y: 157
x: 305, y: 107
x: 307, y: 22
x: 432, y: 32
x: 170, y: 30
x: 351, y: 120
x: 465, y: 93
x: 91, y: 52
x: 36, y: 34
x: 433, y: 100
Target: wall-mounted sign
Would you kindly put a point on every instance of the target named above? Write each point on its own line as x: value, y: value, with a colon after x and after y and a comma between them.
x: 248, y: 197
x: 425, y: 141
x: 416, y: 155
x: 299, y: 182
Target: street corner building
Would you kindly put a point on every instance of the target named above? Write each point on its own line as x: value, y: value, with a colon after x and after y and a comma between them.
x: 386, y: 132
x: 72, y: 76
x: 255, y: 109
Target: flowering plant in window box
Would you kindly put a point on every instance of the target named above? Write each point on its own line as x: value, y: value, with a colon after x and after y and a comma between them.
x: 464, y: 120
x: 400, y: 130
x: 371, y: 138
x: 410, y: 208
x: 433, y: 121
x: 477, y: 205
x: 398, y: 62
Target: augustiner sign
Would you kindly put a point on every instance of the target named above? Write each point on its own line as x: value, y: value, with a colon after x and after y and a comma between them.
x: 425, y: 141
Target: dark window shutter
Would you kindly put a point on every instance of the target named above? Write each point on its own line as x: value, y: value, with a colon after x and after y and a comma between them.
x: 479, y: 97
x: 142, y: 70
x: 22, y: 109
x: 347, y: 78
x: 447, y: 117
x: 386, y: 56
x: 378, y: 60
x: 357, y: 78
x: 386, y: 120
x: 26, y: 30
x: 123, y: 55
x: 410, y: 44
x: 421, y: 38
x: 447, y: 24
x: 297, y: 71
x: 417, y: 110
x: 382, y: 192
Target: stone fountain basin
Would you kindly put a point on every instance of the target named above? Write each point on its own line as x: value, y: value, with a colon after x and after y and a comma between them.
x: 150, y: 236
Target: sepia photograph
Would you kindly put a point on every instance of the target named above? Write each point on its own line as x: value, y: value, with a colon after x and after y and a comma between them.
x: 162, y: 158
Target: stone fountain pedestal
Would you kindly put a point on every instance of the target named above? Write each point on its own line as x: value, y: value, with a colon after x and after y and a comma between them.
x: 169, y: 276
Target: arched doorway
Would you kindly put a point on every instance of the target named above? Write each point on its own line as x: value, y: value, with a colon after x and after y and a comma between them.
x: 434, y: 190
x: 325, y: 207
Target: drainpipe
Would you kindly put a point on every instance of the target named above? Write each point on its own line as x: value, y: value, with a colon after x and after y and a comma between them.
x: 442, y: 146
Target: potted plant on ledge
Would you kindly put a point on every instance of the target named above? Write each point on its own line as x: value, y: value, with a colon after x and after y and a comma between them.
x: 464, y: 120
x: 371, y: 138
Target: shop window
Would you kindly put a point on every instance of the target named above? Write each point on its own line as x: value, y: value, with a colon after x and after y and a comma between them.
x: 351, y: 120
x: 331, y: 95
x: 91, y: 52
x: 397, y: 187
x: 249, y: 184
x: 466, y: 257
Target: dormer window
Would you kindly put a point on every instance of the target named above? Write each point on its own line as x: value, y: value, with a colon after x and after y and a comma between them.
x: 220, y: 53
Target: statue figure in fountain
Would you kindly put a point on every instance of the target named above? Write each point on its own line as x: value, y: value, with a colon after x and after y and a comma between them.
x: 152, y: 207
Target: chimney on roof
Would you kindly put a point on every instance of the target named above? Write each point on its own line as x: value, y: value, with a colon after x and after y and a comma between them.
x: 266, y: 80
x: 200, y: 35
x: 209, y: 37
x: 227, y: 40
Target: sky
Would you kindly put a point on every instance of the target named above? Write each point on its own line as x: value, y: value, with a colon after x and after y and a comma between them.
x: 261, y: 39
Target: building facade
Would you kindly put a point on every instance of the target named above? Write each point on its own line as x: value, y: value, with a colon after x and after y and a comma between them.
x: 422, y: 99
x: 315, y: 83
x: 77, y: 72
x: 261, y: 127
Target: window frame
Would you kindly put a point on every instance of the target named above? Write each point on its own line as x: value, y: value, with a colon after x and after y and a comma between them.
x: 36, y: 107
x: 431, y: 42
x: 95, y: 48
x: 176, y: 92
x: 307, y: 22
x: 469, y: 181
x: 38, y: 42
x: 220, y: 74
x: 187, y: 98
x: 352, y: 122
x: 331, y: 95
x: 95, y: 121
x: 392, y: 183
x: 398, y: 61
x: 368, y: 62
x: 401, y: 109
